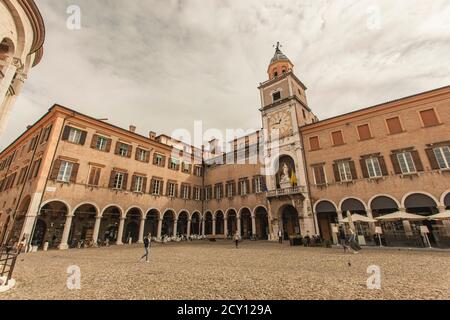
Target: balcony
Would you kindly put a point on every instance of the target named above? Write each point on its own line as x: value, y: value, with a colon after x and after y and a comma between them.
x: 286, y: 192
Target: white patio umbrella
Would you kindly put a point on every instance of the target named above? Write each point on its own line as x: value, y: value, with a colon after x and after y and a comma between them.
x: 359, y: 218
x: 400, y: 215
x: 441, y: 216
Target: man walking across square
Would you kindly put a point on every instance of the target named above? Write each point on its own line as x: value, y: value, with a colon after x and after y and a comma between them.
x: 147, y: 241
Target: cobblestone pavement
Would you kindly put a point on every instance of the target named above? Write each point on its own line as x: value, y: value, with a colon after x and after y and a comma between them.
x: 257, y: 270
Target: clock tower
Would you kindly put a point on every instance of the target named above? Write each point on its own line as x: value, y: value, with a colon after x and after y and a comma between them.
x: 284, y: 109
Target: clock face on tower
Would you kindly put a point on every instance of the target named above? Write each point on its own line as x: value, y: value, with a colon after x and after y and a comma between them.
x: 282, y: 122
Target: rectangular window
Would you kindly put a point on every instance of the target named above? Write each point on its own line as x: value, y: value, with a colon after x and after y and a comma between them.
x: 344, y: 171
x: 141, y: 155
x: 138, y: 184
x: 276, y: 96
x: 123, y: 149
x: 406, y: 162
x: 101, y: 144
x: 319, y: 175
x: 185, y: 192
x: 198, y: 171
x: 373, y: 167
x: 75, y: 135
x: 338, y: 138
x: 429, y: 118
x: 259, y: 185
x: 196, y: 193
x: 156, y: 187
x: 218, y: 191
x: 174, y: 164
x: 208, y: 193
x: 394, y: 125
x: 364, y: 132
x: 314, y: 143
x: 171, y: 190
x: 244, y: 187
x: 443, y: 157
x: 36, y: 167
x: 230, y: 189
x: 65, y: 171
x: 186, y: 167
x: 159, y: 160
x: 118, y: 180
x: 94, y: 176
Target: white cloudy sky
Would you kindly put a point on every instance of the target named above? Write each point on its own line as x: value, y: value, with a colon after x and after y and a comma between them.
x: 163, y: 64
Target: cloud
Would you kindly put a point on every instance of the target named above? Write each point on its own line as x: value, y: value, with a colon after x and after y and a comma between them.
x: 161, y: 65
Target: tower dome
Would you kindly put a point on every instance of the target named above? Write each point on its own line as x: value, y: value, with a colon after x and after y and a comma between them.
x: 279, y: 64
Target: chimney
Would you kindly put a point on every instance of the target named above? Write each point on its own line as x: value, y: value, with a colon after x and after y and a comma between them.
x: 152, y: 135
x: 132, y: 128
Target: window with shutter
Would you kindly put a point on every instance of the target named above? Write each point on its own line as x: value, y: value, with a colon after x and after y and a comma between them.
x: 338, y: 138
x: 65, y: 171
x: 319, y: 175
x: 394, y: 125
x: 138, y: 184
x: 364, y: 132
x: 118, y: 181
x: 373, y: 167
x: 345, y: 173
x: 94, y: 176
x: 442, y: 156
x: 406, y: 162
x: 429, y: 118
x: 314, y: 143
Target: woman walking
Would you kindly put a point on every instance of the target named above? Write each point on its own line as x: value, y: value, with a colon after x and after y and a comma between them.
x: 236, y: 239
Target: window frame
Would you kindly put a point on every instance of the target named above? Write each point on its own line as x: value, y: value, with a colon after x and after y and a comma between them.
x: 405, y: 161
x: 346, y: 166
x: 65, y: 171
x: 444, y: 157
x: 372, y: 161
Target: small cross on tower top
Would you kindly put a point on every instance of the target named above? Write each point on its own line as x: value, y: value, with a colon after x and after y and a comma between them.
x: 278, y: 46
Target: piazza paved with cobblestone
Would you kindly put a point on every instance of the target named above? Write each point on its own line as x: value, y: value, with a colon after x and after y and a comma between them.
x: 206, y: 270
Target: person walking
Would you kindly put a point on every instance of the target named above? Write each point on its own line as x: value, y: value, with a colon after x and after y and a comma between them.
x: 236, y: 239
x: 280, y: 236
x: 352, y: 242
x: 342, y: 238
x: 147, y: 241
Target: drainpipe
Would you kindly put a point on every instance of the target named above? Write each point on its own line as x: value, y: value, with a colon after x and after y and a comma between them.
x: 48, y: 177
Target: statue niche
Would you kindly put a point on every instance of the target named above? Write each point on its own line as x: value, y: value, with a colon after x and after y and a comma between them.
x: 286, y: 177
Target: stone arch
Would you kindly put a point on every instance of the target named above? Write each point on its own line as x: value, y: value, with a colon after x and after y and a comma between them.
x: 182, y: 222
x: 353, y: 204
x: 109, y: 224
x: 261, y: 215
x: 196, y: 222
x: 83, y: 222
x: 167, y: 210
x: 7, y: 48
x: 416, y: 201
x: 50, y: 223
x: 220, y: 222
x: 111, y: 206
x: 246, y: 209
x: 445, y: 199
x: 168, y: 222
x: 326, y: 200
x: 152, y: 217
x: 136, y: 208
x: 326, y: 212
x: 245, y: 215
x: 133, y: 216
x: 97, y: 208
x: 289, y: 221
x: 383, y: 204
x: 228, y: 210
x: 208, y: 221
x: 46, y: 202
x: 20, y: 217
